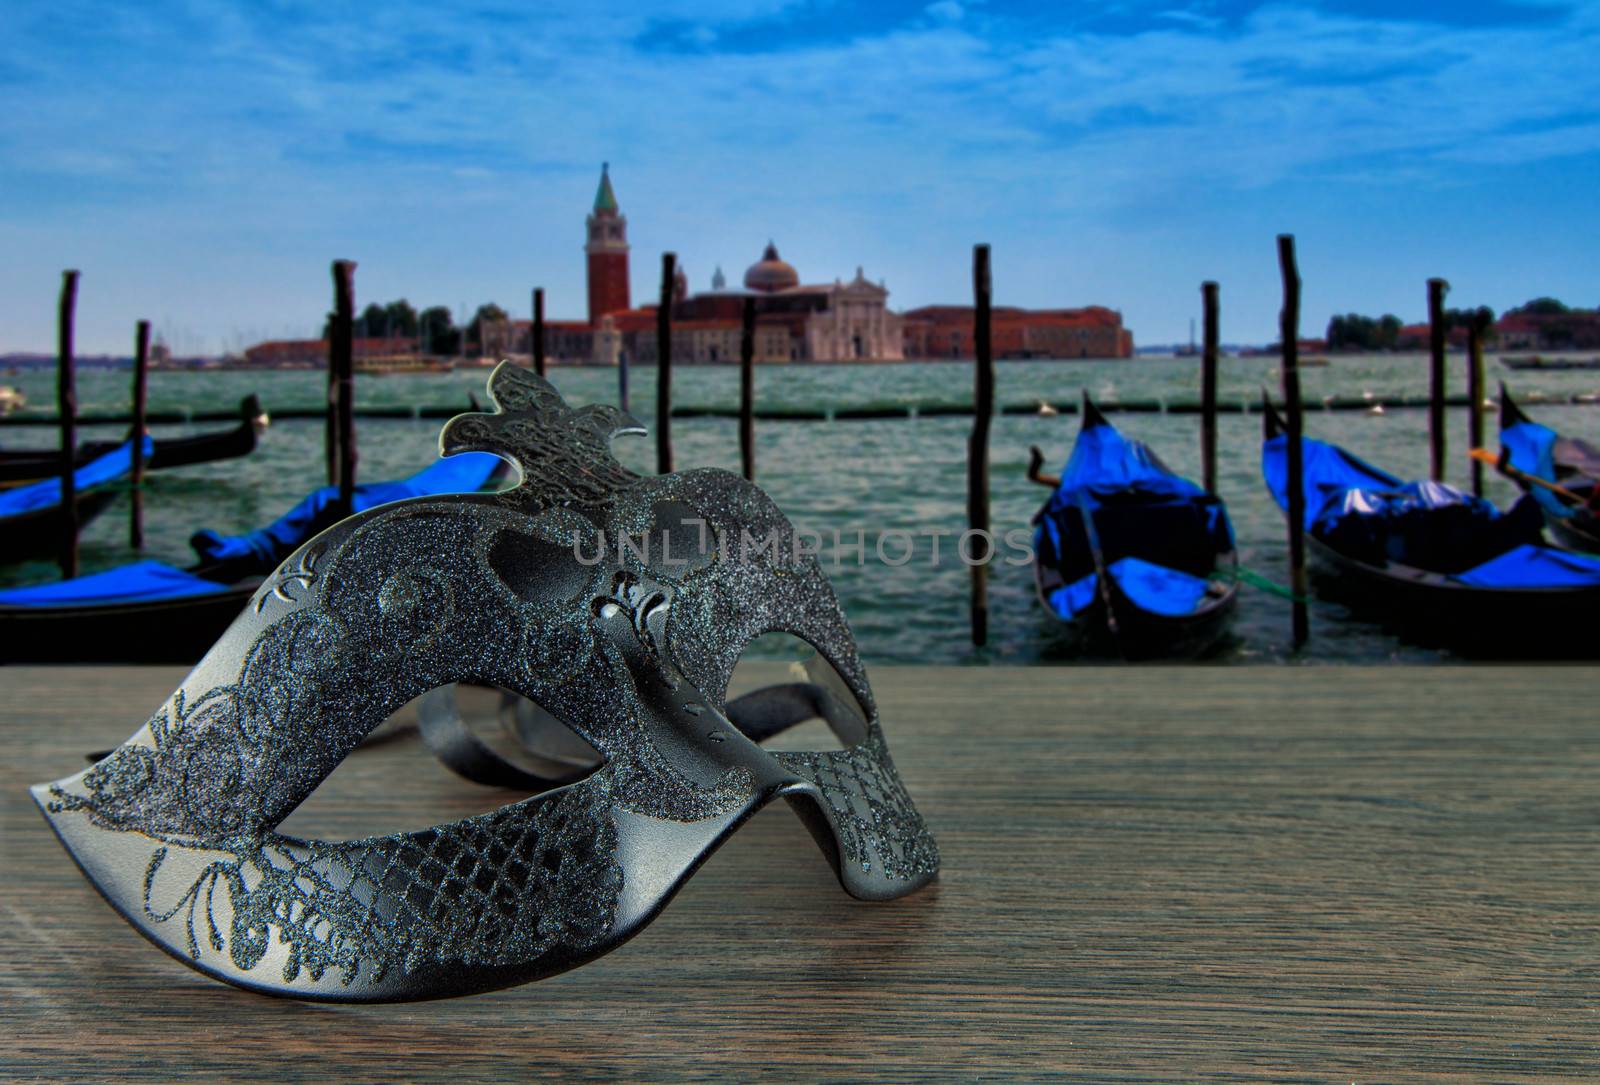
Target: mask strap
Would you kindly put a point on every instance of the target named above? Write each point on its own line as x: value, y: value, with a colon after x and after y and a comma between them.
x: 455, y: 744
x: 762, y: 713
x: 759, y: 715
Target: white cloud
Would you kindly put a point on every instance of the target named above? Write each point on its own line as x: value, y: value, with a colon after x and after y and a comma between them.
x: 234, y: 125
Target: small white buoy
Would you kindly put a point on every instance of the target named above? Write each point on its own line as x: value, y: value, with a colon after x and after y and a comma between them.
x: 1047, y: 411
x: 1376, y: 408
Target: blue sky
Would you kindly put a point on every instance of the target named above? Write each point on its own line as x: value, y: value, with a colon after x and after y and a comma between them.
x: 202, y: 163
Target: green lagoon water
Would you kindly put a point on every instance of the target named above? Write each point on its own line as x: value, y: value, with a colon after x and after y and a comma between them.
x: 883, y: 475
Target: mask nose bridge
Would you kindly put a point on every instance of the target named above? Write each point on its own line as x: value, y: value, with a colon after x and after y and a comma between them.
x: 685, y: 727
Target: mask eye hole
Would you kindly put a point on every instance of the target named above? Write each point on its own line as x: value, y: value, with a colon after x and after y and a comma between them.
x: 499, y: 739
x: 787, y: 696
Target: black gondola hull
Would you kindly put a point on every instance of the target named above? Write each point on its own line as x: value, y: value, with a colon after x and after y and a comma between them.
x: 23, y: 466
x: 158, y: 631
x: 39, y: 533
x: 1433, y: 611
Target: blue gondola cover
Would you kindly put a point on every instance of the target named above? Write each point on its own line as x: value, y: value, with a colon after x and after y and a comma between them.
x: 263, y: 549
x: 1152, y: 587
x: 1530, y: 566
x: 150, y: 580
x: 138, y: 583
x: 1532, y: 449
x: 97, y: 472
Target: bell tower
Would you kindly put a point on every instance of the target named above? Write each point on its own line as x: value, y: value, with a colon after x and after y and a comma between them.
x: 608, y: 252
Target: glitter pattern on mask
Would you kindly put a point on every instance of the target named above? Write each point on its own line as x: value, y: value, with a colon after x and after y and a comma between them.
x: 505, y: 887
x: 405, y: 598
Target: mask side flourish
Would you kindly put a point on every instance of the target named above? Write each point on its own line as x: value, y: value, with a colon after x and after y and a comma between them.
x: 178, y: 827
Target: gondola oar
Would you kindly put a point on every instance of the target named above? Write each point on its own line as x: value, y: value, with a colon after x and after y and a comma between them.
x: 1102, y: 576
x: 1502, y: 463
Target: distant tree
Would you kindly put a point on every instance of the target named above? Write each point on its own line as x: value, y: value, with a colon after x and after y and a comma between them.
x: 1352, y: 331
x: 438, y: 331
x: 402, y: 318
x: 1542, y: 307
x: 370, y: 324
x: 1389, y: 327
x: 395, y: 320
x: 1463, y: 318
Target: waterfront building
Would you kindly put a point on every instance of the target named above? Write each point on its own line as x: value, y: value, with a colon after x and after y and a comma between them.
x: 795, y: 321
x: 313, y: 353
x: 1573, y: 329
x: 946, y: 331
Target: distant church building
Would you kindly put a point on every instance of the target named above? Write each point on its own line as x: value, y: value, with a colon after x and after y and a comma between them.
x: 838, y: 321
x: 608, y: 252
x: 795, y: 322
x: 829, y: 322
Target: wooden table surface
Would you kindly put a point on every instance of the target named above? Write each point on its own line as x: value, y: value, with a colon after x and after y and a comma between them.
x: 1283, y: 874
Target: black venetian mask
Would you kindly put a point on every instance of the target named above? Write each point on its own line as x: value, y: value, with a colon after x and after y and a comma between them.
x: 526, y: 590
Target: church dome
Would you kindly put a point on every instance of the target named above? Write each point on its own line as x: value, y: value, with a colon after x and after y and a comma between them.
x: 770, y: 274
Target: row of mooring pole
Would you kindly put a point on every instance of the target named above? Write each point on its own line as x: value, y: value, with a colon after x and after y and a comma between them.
x: 1289, y: 336
x: 1476, y: 329
x: 141, y: 379
x: 978, y: 444
x: 67, y: 407
x: 67, y: 421
x: 1437, y: 379
x: 1208, y: 387
x: 664, y: 365
x: 747, y: 390
x: 340, y: 431
x: 747, y: 380
x: 339, y: 434
x: 536, y: 332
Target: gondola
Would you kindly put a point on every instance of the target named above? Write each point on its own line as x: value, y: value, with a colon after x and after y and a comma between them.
x: 150, y: 612
x: 31, y: 520
x: 1130, y: 559
x: 1438, y: 565
x: 28, y: 465
x: 1537, y: 362
x: 1561, y: 473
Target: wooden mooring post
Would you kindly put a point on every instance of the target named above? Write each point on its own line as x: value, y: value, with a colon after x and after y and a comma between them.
x: 67, y: 411
x: 1436, y: 378
x: 537, y: 331
x: 341, y: 384
x: 747, y: 391
x: 1289, y: 332
x: 1208, y: 389
x: 664, y: 366
x: 1475, y: 333
x: 141, y: 388
x: 978, y: 446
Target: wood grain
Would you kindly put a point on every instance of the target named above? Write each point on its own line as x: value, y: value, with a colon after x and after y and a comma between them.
x: 1153, y: 874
